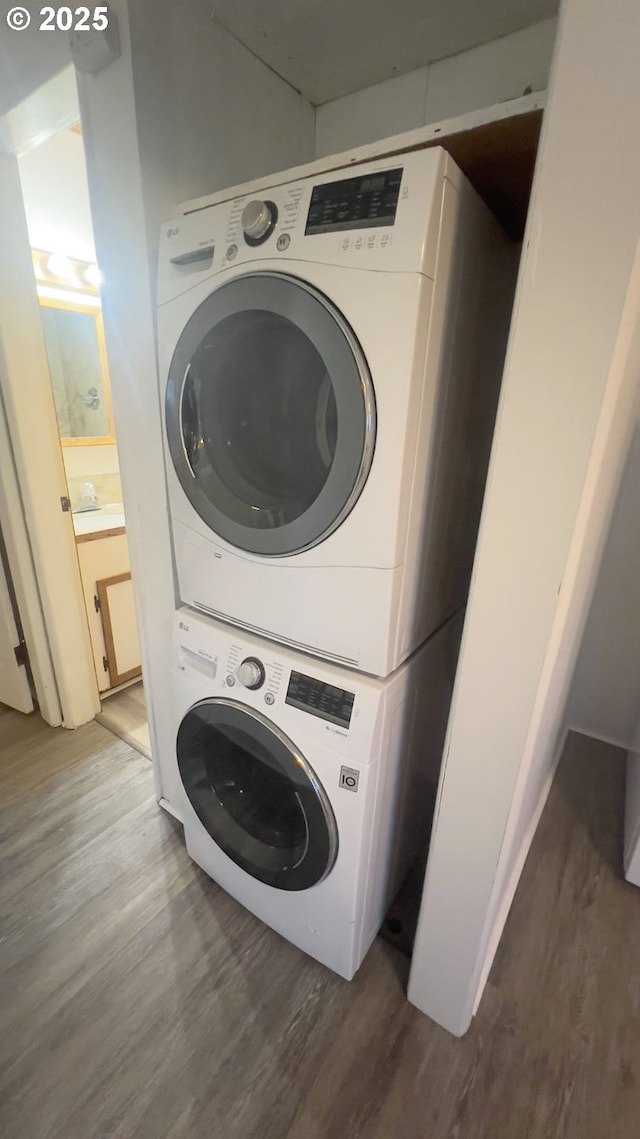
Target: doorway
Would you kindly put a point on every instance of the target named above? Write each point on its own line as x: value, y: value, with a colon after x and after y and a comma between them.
x: 55, y: 199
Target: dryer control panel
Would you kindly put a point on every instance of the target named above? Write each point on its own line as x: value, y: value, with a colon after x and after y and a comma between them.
x: 379, y: 215
x: 366, y: 202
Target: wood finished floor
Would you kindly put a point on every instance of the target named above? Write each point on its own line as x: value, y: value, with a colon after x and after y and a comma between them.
x: 141, y: 1002
x: 125, y: 714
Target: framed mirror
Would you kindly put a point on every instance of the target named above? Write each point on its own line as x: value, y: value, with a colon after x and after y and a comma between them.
x: 74, y: 341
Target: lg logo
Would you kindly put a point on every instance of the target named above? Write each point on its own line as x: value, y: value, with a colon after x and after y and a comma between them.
x: 349, y: 778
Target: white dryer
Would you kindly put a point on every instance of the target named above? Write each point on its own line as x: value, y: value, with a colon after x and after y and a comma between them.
x: 305, y: 789
x: 330, y: 354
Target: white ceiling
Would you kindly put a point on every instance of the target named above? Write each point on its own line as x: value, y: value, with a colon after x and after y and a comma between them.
x: 328, y: 48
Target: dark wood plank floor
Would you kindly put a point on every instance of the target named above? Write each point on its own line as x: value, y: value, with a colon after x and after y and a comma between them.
x: 140, y: 1002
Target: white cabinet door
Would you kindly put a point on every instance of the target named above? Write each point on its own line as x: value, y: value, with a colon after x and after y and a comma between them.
x: 14, y: 682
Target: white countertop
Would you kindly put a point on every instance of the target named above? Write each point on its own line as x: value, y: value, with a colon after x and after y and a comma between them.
x: 110, y: 516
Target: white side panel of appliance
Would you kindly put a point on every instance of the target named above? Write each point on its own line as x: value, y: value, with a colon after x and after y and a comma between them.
x: 465, y: 344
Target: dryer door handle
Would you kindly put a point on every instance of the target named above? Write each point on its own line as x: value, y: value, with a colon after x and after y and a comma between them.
x: 189, y: 421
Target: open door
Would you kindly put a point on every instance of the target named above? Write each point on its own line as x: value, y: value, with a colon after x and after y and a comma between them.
x: 41, y: 483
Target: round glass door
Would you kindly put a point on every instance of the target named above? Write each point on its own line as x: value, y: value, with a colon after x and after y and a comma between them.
x: 270, y: 414
x: 256, y: 795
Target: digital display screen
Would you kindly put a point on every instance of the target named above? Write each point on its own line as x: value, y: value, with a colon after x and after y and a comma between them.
x: 372, y: 185
x: 320, y: 699
x: 355, y: 203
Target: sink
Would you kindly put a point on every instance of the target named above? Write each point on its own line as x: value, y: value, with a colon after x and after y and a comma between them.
x: 109, y: 516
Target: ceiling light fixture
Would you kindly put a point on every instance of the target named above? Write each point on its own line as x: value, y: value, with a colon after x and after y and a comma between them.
x: 60, y: 266
x: 93, y: 275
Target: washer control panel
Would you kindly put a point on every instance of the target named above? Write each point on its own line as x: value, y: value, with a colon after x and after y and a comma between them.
x: 320, y: 699
x: 316, y: 699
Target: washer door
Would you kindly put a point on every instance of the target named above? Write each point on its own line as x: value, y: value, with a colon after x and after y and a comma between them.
x: 256, y: 795
x: 270, y: 414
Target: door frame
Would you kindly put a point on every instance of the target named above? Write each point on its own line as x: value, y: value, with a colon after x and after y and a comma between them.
x: 40, y: 475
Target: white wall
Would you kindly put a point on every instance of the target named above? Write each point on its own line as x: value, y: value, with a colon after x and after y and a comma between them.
x: 56, y: 196
x: 229, y: 118
x: 82, y: 461
x: 48, y: 109
x: 167, y: 120
x: 605, y: 696
x: 28, y: 58
x: 545, y: 511
x: 493, y: 73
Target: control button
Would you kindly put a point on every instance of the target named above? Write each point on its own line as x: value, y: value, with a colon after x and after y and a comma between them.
x: 230, y: 681
x: 257, y: 221
x: 269, y: 698
x: 250, y: 673
x: 358, y: 243
x: 384, y: 240
x: 345, y: 243
x: 232, y: 252
x: 283, y: 242
x: 372, y: 241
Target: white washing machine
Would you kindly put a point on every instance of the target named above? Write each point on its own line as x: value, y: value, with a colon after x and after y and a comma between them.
x: 330, y: 355
x: 304, y: 788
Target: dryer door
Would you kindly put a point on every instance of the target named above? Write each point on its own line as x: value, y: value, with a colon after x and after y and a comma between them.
x: 270, y: 414
x: 256, y: 795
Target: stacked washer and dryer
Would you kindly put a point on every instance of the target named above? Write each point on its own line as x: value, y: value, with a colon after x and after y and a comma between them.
x: 330, y: 354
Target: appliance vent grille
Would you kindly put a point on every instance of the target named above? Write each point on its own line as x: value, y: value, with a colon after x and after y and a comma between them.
x: 313, y: 649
